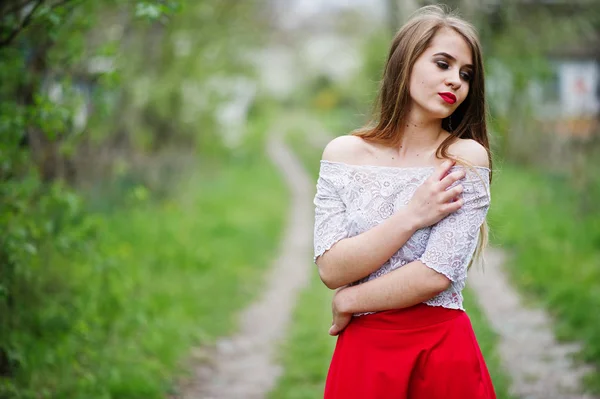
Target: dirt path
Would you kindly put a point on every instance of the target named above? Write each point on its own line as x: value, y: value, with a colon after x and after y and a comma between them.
x: 539, y: 366
x: 244, y: 366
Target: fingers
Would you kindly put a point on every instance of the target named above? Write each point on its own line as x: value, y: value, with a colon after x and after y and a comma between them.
x: 452, y: 193
x: 339, y: 323
x: 334, y: 330
x: 453, y: 206
x: 452, y: 178
x: 441, y: 171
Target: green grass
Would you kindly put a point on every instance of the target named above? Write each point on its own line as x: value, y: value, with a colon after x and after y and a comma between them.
x: 555, y: 250
x: 166, y: 276
x: 487, y: 339
x: 308, y: 350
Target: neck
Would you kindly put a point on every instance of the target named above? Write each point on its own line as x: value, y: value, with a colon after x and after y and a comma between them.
x: 418, y: 135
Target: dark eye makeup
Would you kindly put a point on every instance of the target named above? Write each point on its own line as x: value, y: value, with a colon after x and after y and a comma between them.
x: 466, y: 76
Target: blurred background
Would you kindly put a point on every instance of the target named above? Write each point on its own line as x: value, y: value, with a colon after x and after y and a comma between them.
x: 139, y: 211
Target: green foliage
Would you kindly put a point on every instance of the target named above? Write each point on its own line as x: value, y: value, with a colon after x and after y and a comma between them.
x: 109, y: 309
x: 41, y: 220
x: 87, y: 291
x: 153, y: 10
x: 189, y: 68
x: 41, y: 224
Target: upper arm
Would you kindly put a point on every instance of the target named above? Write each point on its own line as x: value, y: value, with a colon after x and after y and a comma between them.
x: 471, y: 151
x: 330, y: 208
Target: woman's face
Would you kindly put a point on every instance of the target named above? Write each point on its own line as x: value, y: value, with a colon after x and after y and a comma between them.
x: 440, y: 77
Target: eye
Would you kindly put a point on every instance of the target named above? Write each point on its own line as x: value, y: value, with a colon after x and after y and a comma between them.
x: 442, y: 64
x: 466, y: 76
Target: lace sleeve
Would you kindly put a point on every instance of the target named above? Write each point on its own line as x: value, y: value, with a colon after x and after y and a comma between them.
x: 330, y: 210
x: 453, y: 239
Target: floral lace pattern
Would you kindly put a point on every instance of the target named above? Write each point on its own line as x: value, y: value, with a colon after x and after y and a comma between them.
x: 352, y: 199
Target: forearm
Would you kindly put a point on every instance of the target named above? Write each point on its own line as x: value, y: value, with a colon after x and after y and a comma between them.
x: 354, y: 258
x: 404, y: 287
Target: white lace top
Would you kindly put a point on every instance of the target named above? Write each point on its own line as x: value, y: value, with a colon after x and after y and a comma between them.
x: 351, y: 199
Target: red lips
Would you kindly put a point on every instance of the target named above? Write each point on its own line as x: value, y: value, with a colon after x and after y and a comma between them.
x: 448, y: 97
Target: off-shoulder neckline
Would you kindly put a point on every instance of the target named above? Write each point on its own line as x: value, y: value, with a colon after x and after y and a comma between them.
x: 399, y: 168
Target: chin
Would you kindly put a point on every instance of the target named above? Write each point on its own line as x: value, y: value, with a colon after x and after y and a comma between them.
x: 436, y: 110
x: 445, y: 111
x: 441, y: 114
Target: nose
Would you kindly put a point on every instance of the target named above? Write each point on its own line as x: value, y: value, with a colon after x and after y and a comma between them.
x: 453, y: 80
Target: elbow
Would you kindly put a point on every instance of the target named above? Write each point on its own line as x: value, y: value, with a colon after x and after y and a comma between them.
x: 442, y: 283
x: 327, y: 278
x: 438, y: 282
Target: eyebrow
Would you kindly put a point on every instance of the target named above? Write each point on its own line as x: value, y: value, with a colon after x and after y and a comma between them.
x: 452, y: 58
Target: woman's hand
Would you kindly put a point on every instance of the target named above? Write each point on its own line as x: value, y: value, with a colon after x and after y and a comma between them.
x: 433, y: 201
x: 341, y: 319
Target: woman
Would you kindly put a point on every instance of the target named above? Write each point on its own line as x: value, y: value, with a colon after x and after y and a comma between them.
x: 400, y: 212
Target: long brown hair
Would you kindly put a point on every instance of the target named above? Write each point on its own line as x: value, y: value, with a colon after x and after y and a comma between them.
x: 467, y: 122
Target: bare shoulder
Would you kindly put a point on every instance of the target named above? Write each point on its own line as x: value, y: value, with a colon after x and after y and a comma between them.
x: 470, y: 151
x: 345, y: 149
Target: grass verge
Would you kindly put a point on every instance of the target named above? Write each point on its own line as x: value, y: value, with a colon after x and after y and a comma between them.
x: 308, y: 349
x: 165, y: 276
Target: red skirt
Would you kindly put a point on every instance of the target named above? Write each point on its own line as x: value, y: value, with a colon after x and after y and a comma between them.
x: 422, y: 352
